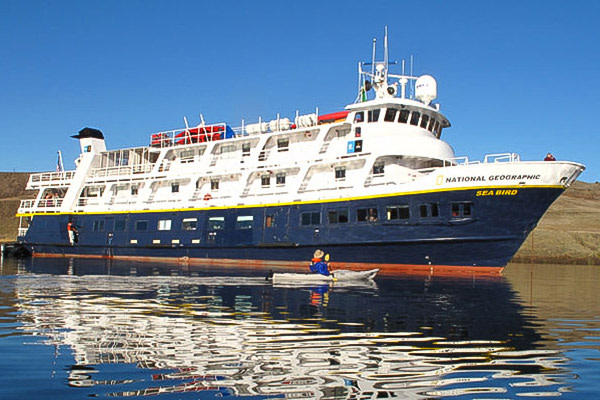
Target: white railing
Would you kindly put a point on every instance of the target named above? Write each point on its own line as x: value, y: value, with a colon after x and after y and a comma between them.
x: 487, y: 159
x: 501, y: 157
x: 41, y: 206
x: 122, y: 170
x: 88, y: 201
x: 22, y: 231
x: 198, y: 134
x: 26, y: 204
x: 49, y: 203
x: 51, y: 177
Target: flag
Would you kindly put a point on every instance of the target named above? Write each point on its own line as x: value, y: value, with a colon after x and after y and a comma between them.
x: 59, y: 163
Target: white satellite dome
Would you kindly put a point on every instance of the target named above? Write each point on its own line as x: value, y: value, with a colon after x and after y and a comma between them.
x: 426, y: 89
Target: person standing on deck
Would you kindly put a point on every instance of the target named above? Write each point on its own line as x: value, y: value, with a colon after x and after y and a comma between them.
x: 72, y: 230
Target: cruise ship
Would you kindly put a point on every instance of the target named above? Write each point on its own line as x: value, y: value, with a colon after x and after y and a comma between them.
x: 373, y: 184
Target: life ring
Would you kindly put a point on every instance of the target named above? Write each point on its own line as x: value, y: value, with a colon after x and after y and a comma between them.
x: 207, y: 197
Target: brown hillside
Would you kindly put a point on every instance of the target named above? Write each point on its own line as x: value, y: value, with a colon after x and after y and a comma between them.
x: 569, y: 232
x: 12, y: 191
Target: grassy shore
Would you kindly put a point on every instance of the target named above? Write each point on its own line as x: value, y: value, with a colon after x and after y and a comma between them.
x: 569, y: 232
x: 12, y: 191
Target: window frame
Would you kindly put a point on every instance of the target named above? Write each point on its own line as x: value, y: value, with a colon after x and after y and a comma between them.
x: 189, y: 224
x: 373, y: 115
x: 164, y: 225
x: 364, y: 214
x: 215, y: 224
x: 404, y: 116
x: 241, y: 222
x: 415, y: 117
x: 283, y: 144
x: 280, y: 179
x: 338, y: 216
x: 265, y: 181
x: 310, y: 218
x: 141, y: 223
x: 390, y: 114
x: 401, y: 211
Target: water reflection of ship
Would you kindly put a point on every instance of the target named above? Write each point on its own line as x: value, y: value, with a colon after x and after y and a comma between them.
x: 217, y: 334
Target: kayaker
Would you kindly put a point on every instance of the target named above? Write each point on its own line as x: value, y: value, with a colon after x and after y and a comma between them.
x: 318, y: 265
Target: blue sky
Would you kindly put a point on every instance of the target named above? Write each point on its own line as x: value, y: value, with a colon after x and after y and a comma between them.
x: 513, y: 76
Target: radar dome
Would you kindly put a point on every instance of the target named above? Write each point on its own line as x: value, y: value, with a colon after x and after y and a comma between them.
x: 426, y: 89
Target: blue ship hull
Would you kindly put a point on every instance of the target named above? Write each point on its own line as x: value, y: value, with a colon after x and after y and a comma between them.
x: 457, y: 228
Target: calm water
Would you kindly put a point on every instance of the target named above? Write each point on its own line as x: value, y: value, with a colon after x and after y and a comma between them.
x: 74, y: 329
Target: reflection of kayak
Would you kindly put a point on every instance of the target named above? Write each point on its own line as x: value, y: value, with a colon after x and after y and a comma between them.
x: 338, y: 276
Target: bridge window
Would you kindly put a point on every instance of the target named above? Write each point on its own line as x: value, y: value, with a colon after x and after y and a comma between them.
x: 403, y: 118
x: 373, y: 115
x: 390, y: 115
x: 432, y: 122
x: 340, y: 173
x: 214, y: 184
x: 398, y: 212
x: 174, y: 187
x: 424, y: 121
x: 437, y: 130
x: 414, y: 118
x: 359, y: 117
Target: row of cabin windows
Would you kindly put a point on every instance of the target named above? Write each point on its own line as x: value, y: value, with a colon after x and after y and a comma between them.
x: 265, y: 180
x: 187, y: 224
x: 403, y: 116
x: 280, y: 179
x: 283, y: 144
x: 395, y: 212
x: 333, y: 216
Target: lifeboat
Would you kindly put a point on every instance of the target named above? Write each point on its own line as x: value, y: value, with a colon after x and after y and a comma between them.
x: 201, y: 134
x: 333, y: 117
x: 157, y: 139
